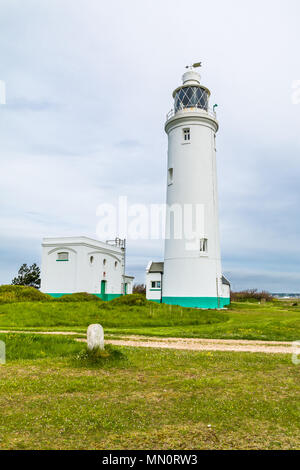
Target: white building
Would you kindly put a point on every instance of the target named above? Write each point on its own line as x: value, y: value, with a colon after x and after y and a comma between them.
x: 154, y: 276
x: 81, y: 264
x: 191, y: 274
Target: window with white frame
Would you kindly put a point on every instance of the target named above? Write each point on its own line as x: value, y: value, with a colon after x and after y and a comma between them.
x: 63, y: 256
x: 186, y: 135
x: 203, y: 245
x: 170, y: 176
x: 155, y: 284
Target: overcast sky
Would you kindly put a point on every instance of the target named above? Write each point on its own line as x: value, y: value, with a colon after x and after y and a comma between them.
x: 88, y: 85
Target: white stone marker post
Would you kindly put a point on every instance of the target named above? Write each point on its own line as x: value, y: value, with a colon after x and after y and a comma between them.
x: 95, y: 337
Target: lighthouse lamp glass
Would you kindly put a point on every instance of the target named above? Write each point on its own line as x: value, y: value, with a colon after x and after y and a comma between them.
x: 191, y: 97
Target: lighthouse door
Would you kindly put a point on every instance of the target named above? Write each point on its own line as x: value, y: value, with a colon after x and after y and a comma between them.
x: 103, y: 289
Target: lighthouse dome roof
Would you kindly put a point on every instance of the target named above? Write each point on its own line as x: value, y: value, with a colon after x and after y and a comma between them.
x: 191, y: 77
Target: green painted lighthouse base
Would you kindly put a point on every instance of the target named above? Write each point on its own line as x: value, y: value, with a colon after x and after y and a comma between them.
x: 197, y: 302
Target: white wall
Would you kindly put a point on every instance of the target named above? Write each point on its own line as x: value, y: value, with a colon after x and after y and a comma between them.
x: 129, y: 281
x: 79, y: 274
x: 225, y: 291
x: 59, y: 276
x: 153, y: 294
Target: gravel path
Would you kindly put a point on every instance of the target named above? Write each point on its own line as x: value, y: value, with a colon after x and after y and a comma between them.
x: 195, y: 344
x: 192, y: 344
x: 206, y: 345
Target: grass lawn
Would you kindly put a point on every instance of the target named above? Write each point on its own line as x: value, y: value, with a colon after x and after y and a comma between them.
x: 278, y: 320
x: 52, y: 398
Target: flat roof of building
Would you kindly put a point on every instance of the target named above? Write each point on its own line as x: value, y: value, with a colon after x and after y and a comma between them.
x: 156, y: 267
x: 225, y: 281
x: 81, y: 240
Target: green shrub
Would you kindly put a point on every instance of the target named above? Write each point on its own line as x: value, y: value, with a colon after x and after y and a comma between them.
x: 131, y: 300
x: 251, y: 295
x: 9, y: 294
x: 139, y: 289
x: 109, y: 356
x: 79, y: 297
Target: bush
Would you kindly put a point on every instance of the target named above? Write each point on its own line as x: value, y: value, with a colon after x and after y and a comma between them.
x: 139, y: 289
x: 9, y: 294
x: 131, y: 300
x: 251, y: 295
x: 79, y: 297
x: 109, y: 356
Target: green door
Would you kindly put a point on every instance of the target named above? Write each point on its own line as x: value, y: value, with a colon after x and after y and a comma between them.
x: 125, y: 289
x: 103, y: 289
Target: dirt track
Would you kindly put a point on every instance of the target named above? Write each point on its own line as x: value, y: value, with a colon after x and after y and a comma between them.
x: 192, y: 344
x: 195, y: 344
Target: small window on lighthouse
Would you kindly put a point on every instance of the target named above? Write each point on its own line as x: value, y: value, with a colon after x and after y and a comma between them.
x: 203, y: 245
x: 63, y: 256
x: 186, y: 135
x: 170, y: 176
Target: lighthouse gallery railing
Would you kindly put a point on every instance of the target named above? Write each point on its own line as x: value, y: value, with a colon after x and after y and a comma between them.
x: 209, y: 111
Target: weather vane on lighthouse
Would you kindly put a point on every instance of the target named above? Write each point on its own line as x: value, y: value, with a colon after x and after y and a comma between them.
x: 194, y: 66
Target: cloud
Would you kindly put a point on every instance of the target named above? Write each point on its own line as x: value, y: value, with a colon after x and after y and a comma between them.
x: 23, y: 104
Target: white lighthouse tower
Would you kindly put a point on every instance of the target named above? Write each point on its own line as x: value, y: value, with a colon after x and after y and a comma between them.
x: 191, y: 274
